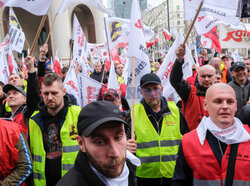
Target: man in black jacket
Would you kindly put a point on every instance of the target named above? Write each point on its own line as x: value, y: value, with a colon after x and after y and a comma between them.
x: 102, y: 141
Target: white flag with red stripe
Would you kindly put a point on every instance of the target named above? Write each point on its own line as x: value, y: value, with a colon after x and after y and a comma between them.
x: 166, y: 33
x: 4, y: 69
x: 4, y: 45
x: 57, y: 65
x: 13, y: 68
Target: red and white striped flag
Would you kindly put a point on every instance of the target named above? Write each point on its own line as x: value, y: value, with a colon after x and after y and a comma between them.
x: 166, y: 33
x: 57, y: 65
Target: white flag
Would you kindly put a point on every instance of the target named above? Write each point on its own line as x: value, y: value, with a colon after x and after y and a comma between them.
x: 13, y: 68
x: 90, y: 89
x: 224, y: 10
x: 112, y: 81
x: 65, y: 4
x: 137, y: 49
x: 4, y: 69
x: 79, y: 39
x: 72, y: 85
x: 36, y: 7
x: 17, y: 37
x: 166, y: 67
x: 235, y: 55
x: 4, y: 45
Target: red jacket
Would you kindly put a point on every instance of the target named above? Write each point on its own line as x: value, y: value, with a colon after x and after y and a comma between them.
x: 206, y: 169
x: 9, y: 135
x: 194, y: 110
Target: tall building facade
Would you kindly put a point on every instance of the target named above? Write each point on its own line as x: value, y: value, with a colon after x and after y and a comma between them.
x: 122, y: 7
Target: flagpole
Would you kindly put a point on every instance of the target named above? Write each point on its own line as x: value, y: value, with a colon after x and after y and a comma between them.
x: 108, y: 48
x: 133, y: 100
x: 38, y: 33
x: 192, y: 24
x: 70, y: 54
x: 51, y: 29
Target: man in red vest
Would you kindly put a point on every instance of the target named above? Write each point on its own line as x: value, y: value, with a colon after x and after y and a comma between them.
x: 204, y: 154
x: 192, y: 95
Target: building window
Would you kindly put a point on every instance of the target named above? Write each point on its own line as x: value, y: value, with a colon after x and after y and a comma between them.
x: 178, y: 7
x: 178, y: 22
x: 178, y: 15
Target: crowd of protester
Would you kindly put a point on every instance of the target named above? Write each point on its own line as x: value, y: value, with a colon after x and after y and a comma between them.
x: 46, y: 139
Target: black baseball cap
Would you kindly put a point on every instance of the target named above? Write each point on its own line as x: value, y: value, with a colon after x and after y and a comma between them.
x: 95, y: 114
x: 8, y: 87
x: 237, y: 65
x: 149, y: 78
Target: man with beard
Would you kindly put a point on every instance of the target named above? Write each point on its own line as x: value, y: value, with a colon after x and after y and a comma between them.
x: 192, y: 95
x: 52, y: 133
x: 102, y: 157
x: 218, y: 151
x: 159, y: 126
x: 240, y: 84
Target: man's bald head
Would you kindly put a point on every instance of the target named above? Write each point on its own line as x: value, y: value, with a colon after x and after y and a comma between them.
x: 206, y: 76
x: 219, y: 86
x: 221, y: 104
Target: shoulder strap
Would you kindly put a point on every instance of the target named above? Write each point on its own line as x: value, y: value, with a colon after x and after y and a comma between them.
x: 231, y: 165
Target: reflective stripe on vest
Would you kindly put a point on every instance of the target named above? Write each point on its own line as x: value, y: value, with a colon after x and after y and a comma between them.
x: 73, y: 148
x: 157, y: 152
x: 207, y: 182
x: 69, y: 145
x: 156, y: 144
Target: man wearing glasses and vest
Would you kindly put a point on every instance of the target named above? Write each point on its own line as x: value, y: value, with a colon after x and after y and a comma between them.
x: 159, y: 126
x: 218, y: 151
x: 52, y: 133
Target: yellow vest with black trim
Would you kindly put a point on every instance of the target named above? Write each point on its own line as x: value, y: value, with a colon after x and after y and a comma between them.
x: 157, y: 153
x: 70, y: 147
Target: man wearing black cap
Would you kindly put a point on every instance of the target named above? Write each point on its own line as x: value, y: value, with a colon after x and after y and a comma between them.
x: 102, y: 141
x: 159, y: 126
x: 22, y: 108
x: 240, y: 84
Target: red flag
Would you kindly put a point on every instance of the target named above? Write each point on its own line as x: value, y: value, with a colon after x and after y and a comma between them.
x: 166, y: 33
x: 213, y: 35
x: 57, y: 65
x: 107, y: 65
x: 150, y: 43
x: 24, y: 69
x: 11, y: 67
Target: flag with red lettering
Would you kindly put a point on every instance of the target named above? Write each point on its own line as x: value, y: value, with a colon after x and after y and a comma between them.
x: 72, y: 85
x: 137, y: 50
x: 224, y: 10
x: 166, y: 67
x: 13, y: 68
x: 57, y: 65
x: 36, y: 7
x: 90, y: 89
x: 211, y: 40
x: 65, y: 4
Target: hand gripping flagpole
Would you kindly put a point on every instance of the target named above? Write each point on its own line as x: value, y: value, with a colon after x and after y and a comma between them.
x: 192, y: 24
x: 38, y: 33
